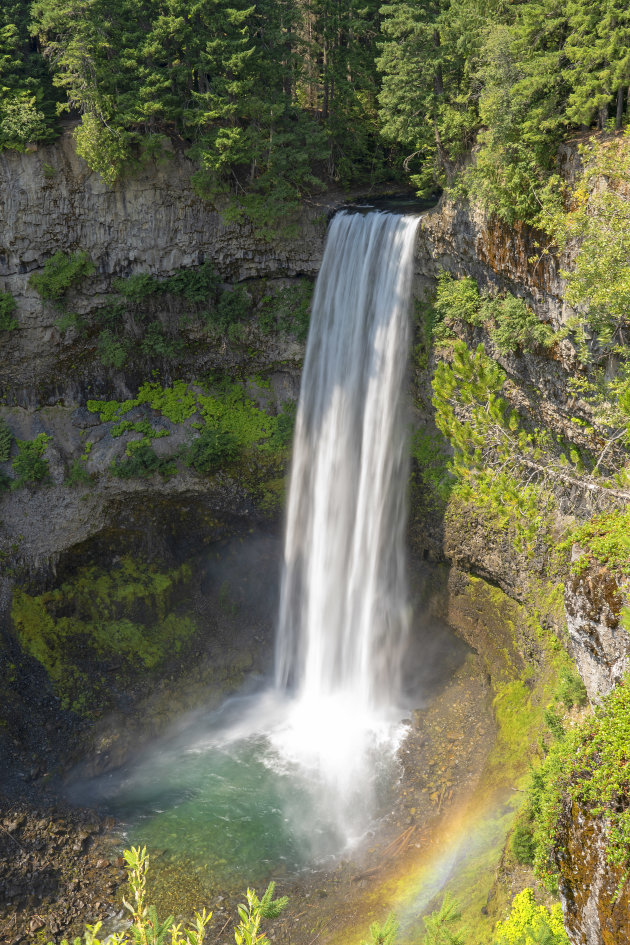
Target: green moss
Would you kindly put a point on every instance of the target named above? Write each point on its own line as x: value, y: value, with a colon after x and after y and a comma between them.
x: 103, y: 624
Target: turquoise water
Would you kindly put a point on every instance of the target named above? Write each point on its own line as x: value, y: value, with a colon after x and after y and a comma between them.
x: 223, y: 794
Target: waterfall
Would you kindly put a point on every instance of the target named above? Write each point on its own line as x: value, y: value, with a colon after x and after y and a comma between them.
x: 343, y: 617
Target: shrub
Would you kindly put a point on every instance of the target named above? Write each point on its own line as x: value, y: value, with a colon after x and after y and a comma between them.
x: 522, y: 841
x: 529, y: 923
x: 60, y: 272
x: 112, y: 351
x: 458, y: 299
x: 142, y: 463
x: 233, y: 307
x: 29, y: 464
x: 156, y: 344
x: 137, y: 287
x: 195, y: 285
x: 211, y: 449
x: 7, y: 308
x: 588, y: 766
x: 288, y: 310
x: 516, y: 326
x: 78, y: 474
x: 6, y: 440
x: 70, y: 321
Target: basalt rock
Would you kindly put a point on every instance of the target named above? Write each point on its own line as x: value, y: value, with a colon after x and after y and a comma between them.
x: 593, y: 891
x: 600, y: 643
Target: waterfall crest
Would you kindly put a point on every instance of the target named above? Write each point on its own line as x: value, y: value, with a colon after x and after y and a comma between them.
x: 343, y: 606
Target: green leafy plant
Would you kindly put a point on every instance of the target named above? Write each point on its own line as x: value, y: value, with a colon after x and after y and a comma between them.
x: 156, y: 343
x: 142, y: 463
x: 440, y: 924
x: 146, y: 927
x: 251, y: 914
x: 587, y: 765
x: 70, y: 321
x: 531, y: 924
x: 384, y: 934
x: 29, y: 465
x: 7, y: 308
x: 6, y: 440
x: 60, y: 272
x: 287, y: 310
x: 112, y: 350
x: 78, y: 474
x: 211, y: 449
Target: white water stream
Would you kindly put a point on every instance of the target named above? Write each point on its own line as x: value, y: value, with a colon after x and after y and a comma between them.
x: 344, y: 611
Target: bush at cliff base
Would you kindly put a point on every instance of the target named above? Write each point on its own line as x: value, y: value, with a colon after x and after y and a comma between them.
x: 531, y: 924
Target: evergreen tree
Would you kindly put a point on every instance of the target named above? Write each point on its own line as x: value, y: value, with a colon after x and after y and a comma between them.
x: 598, y: 49
x: 27, y: 105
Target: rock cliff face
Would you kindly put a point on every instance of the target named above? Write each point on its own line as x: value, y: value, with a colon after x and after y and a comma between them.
x: 600, y: 644
x: 593, y: 892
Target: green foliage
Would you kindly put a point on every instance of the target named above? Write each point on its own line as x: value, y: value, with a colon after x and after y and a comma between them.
x: 61, y: 271
x: 195, y: 285
x: 511, y: 323
x: 233, y: 307
x: 146, y: 928
x: 571, y: 689
x: 604, y: 539
x: 112, y: 350
x: 287, y: 310
x: 516, y: 326
x: 6, y: 440
x: 599, y: 218
x: 531, y: 924
x: 253, y: 911
x: 491, y: 451
x: 440, y: 924
x: 522, y: 840
x: 156, y: 343
x: 78, y: 474
x: 242, y: 84
x: 384, y: 934
x: 430, y: 452
x: 7, y: 308
x: 27, y: 105
x: 29, y: 465
x: 70, y: 321
x: 122, y: 618
x: 142, y: 463
x: 458, y: 299
x: 211, y: 449
x: 586, y: 765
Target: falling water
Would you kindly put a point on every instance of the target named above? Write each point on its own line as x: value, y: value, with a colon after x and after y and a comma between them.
x: 298, y: 772
x: 343, y: 608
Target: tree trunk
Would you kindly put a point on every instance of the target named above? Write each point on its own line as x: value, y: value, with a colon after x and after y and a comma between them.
x: 619, y: 118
